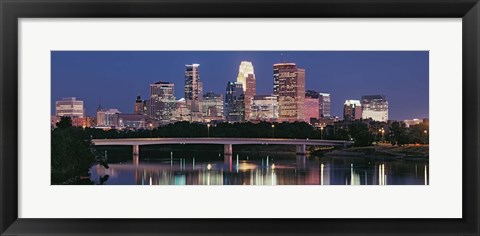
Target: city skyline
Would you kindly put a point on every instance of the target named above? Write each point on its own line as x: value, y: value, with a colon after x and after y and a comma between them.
x: 114, y: 79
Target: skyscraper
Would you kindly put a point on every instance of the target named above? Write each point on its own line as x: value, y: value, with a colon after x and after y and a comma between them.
x: 311, y: 106
x: 352, y: 110
x: 193, y: 92
x: 234, y: 102
x: 375, y: 107
x: 212, y: 106
x: 289, y: 88
x: 324, y: 105
x: 246, y: 76
x: 70, y: 107
x: 162, y: 101
x: 181, y: 111
x: 264, y: 108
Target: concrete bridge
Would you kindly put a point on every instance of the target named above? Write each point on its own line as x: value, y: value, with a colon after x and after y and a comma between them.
x: 227, y: 142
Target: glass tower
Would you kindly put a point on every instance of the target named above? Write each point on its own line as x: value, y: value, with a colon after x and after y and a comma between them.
x: 193, y: 92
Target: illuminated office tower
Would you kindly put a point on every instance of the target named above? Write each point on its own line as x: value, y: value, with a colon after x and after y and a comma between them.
x: 162, y: 101
x: 324, y: 105
x: 181, y: 112
x: 375, y: 107
x: 246, y: 76
x: 264, y: 108
x: 212, y: 106
x: 193, y: 92
x: 311, y: 106
x: 70, y: 107
x: 234, y: 102
x: 352, y: 110
x: 289, y: 88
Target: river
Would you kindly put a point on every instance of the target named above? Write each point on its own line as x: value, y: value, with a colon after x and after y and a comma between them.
x: 254, y: 168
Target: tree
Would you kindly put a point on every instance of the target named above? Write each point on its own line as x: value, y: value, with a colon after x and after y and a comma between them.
x: 65, y: 122
x: 398, y: 134
x: 419, y: 133
x: 72, y: 153
x: 360, y: 134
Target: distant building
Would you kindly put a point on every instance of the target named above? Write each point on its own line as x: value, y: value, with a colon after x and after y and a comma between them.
x: 352, y: 110
x: 264, y: 108
x: 108, y: 118
x: 311, y: 107
x: 409, y: 123
x: 234, y: 102
x: 212, y: 106
x: 323, y: 122
x: 84, y: 122
x: 132, y: 121
x: 246, y: 76
x: 181, y: 110
x: 140, y: 106
x: 70, y: 107
x: 289, y: 88
x: 375, y: 107
x: 311, y: 94
x: 194, y: 92
x: 324, y: 105
x: 162, y: 101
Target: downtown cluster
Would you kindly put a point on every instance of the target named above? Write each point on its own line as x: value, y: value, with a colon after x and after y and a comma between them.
x: 290, y: 102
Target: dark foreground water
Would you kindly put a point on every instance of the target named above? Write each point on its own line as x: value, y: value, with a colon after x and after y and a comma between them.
x: 213, y: 168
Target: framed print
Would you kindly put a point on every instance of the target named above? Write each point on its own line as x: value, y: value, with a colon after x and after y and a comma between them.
x: 224, y: 117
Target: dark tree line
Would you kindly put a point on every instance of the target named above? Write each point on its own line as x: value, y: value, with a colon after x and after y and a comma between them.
x: 363, y: 133
x: 401, y: 135
x: 244, y: 130
x: 72, y: 154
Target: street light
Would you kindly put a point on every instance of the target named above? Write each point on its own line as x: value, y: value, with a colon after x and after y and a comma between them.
x: 383, y: 134
x: 321, y: 132
x: 208, y: 130
x: 273, y: 131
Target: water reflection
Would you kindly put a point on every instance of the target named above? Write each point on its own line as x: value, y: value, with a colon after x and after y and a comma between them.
x: 241, y: 169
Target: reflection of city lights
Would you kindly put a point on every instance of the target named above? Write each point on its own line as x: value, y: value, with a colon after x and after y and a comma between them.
x: 321, y: 174
x: 247, y: 166
x: 273, y: 166
x: 425, y: 175
x: 209, y: 166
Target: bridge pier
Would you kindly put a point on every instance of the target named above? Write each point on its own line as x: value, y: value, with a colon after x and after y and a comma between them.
x: 301, y: 149
x: 301, y: 162
x: 227, y: 160
x: 136, y: 150
x: 227, y: 149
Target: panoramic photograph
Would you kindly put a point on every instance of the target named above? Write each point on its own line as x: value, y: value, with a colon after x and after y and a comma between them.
x: 239, y: 118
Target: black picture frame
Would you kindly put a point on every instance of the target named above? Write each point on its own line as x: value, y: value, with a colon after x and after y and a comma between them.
x: 12, y: 10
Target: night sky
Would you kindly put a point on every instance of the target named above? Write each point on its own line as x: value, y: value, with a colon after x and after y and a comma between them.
x: 116, y: 77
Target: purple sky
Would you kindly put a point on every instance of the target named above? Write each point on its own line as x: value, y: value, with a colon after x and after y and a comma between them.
x: 117, y: 77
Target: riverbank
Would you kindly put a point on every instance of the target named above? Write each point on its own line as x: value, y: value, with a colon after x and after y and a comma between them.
x: 384, y: 151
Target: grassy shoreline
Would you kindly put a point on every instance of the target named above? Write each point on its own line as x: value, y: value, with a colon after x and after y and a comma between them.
x: 385, y: 151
